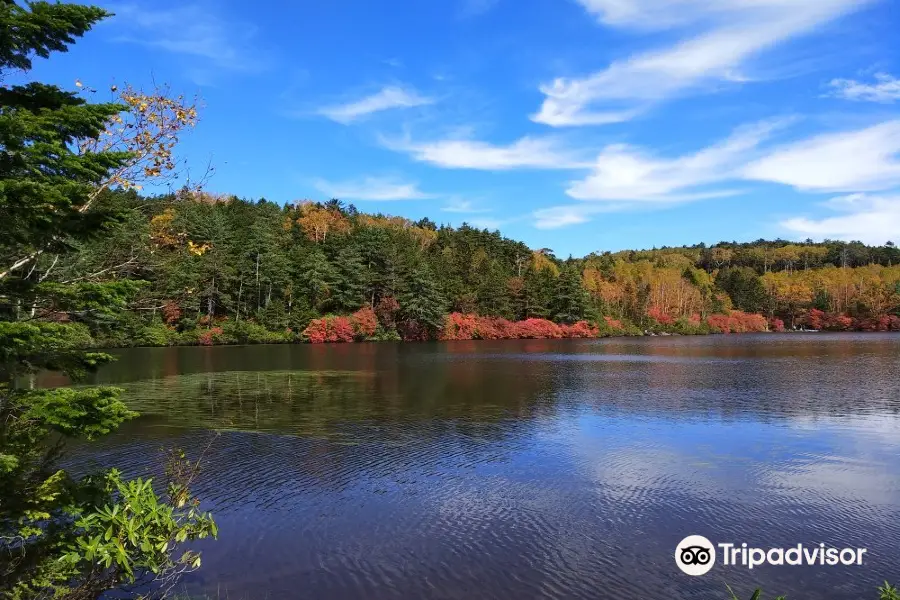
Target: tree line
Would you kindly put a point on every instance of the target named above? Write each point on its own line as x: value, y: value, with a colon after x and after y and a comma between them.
x: 221, y: 269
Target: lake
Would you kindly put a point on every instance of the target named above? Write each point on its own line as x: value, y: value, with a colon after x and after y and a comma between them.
x: 526, y: 469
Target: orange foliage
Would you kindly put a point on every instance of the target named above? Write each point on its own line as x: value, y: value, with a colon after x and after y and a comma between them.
x: 658, y: 315
x: 317, y: 222
x: 171, y: 313
x: 738, y: 322
x: 329, y: 329
x: 210, y: 336
x: 364, y: 322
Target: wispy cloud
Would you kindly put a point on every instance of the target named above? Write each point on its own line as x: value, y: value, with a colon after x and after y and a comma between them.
x: 389, y: 97
x: 193, y: 29
x: 372, y: 188
x: 623, y: 173
x: 463, y: 206
x: 474, y: 8
x: 731, y: 33
x: 885, y: 89
x: 524, y: 153
x: 869, y: 219
x: 851, y: 161
x: 556, y: 217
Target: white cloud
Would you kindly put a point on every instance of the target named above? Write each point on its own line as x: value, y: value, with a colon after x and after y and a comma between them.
x: 852, y: 161
x: 732, y: 33
x: 192, y: 29
x: 387, y: 98
x: 885, y: 89
x: 463, y: 206
x: 869, y: 219
x: 371, y: 188
x: 623, y: 173
x: 555, y: 217
x: 526, y: 152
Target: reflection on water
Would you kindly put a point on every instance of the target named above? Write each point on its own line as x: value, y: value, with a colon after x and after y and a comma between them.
x: 564, y: 469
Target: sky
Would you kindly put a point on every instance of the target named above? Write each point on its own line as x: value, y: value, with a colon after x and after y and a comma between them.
x: 575, y: 125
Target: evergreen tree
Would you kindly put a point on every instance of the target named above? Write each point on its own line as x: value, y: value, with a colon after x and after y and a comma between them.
x: 539, y: 286
x: 316, y: 278
x: 569, y: 298
x: 421, y: 302
x: 744, y: 286
x: 349, y: 292
x: 56, y: 537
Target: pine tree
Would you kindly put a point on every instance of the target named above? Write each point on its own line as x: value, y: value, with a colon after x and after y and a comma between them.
x: 421, y: 302
x: 539, y: 286
x: 316, y: 278
x: 569, y: 298
x: 54, y: 535
x: 349, y: 292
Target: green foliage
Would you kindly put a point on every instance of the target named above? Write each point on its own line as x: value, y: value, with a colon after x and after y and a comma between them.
x: 62, y: 536
x: 421, y: 300
x: 888, y: 592
x: 744, y: 287
x: 569, y: 298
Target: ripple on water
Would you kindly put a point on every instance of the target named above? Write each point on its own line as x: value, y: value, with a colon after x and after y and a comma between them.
x: 455, y: 475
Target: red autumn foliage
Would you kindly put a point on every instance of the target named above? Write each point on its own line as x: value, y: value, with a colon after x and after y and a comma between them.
x: 815, y: 319
x: 210, y: 336
x: 539, y: 329
x: 458, y: 326
x: 737, y: 322
x: 658, y: 315
x: 329, y: 329
x: 882, y: 323
x: 365, y: 322
x: 695, y: 319
x: 614, y: 323
x: 776, y: 324
x: 171, y: 313
x: 581, y: 329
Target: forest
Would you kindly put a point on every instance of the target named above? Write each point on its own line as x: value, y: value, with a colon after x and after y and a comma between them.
x: 87, y: 262
x: 211, y: 269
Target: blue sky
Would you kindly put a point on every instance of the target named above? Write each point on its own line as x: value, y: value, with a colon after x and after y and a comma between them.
x: 577, y: 125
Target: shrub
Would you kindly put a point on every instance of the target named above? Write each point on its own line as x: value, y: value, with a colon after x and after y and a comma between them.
x: 581, y: 329
x: 208, y: 337
x: 329, y: 329
x: 540, y: 329
x: 660, y: 316
x: 364, y: 322
x: 737, y: 321
x: 247, y: 332
x: 459, y: 326
x: 383, y: 334
x: 156, y: 334
x: 171, y: 313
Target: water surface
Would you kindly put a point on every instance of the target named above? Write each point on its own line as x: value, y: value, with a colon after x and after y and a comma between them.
x: 526, y: 469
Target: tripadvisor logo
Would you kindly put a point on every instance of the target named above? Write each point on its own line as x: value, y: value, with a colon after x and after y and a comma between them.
x: 696, y: 555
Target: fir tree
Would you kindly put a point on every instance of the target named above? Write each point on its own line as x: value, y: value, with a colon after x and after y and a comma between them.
x: 569, y: 298
x: 55, y: 537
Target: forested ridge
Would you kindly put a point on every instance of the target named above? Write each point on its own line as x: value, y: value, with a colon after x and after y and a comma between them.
x: 219, y: 269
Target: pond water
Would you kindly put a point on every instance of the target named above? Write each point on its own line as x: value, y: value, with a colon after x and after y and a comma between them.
x: 526, y: 469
